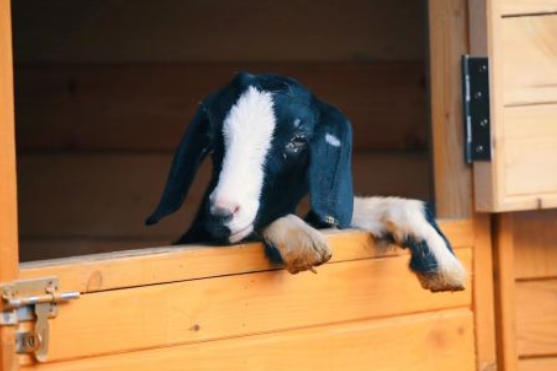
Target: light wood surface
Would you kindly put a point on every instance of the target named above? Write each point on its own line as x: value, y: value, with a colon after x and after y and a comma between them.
x: 232, y: 306
x: 536, y: 318
x: 424, y: 342
x: 448, y: 42
x: 483, y: 295
x: 110, y: 271
x: 8, y: 193
x: 102, y: 200
x: 522, y: 7
x: 536, y: 245
x: 531, y: 155
x: 529, y: 49
x: 538, y: 364
x: 505, y: 298
x: 148, y: 107
x: 197, y: 30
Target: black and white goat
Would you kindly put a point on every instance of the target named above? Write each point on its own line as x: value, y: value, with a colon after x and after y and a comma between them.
x: 272, y: 141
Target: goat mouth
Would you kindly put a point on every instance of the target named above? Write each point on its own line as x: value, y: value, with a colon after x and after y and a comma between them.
x: 241, y: 234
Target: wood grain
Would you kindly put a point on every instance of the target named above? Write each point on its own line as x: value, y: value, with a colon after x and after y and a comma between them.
x: 524, y: 7
x: 536, y: 318
x: 535, y: 240
x: 505, y: 296
x: 529, y: 49
x: 538, y: 364
x: 531, y: 152
x: 8, y: 193
x: 389, y: 344
x: 134, y: 268
x: 197, y: 30
x: 483, y: 295
x: 104, y: 199
x: 232, y: 306
x: 148, y: 107
x: 448, y: 42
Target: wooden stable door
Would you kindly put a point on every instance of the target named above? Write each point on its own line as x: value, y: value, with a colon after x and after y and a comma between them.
x: 519, y: 38
x: 228, y: 308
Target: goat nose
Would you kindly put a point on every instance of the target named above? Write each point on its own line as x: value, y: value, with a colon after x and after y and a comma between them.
x: 224, y: 212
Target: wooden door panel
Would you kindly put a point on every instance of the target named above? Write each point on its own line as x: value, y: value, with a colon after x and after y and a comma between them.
x: 529, y: 60
x: 423, y: 342
x: 231, y: 306
x: 521, y: 7
x: 536, y: 318
x: 522, y: 53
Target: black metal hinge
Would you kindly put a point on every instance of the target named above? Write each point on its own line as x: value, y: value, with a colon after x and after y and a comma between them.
x: 475, y: 91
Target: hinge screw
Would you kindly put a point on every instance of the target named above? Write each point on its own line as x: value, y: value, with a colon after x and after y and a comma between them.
x: 479, y: 95
x: 484, y: 123
x: 483, y: 68
x: 479, y: 148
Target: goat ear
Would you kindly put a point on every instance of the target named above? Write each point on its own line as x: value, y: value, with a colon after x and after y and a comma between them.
x: 193, y: 148
x: 330, y: 174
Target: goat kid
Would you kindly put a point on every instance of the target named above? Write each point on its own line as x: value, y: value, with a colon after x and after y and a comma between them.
x: 271, y: 142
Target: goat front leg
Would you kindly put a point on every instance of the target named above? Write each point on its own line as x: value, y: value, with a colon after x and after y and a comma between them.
x: 411, y: 224
x: 301, y: 247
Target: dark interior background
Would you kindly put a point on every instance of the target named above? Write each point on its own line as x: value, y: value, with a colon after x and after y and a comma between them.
x: 104, y: 90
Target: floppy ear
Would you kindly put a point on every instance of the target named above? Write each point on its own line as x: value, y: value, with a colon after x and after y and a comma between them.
x: 193, y: 148
x: 330, y: 174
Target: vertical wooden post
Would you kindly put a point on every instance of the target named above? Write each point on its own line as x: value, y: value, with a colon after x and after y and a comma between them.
x: 448, y: 41
x: 505, y: 306
x: 8, y: 194
x: 483, y: 295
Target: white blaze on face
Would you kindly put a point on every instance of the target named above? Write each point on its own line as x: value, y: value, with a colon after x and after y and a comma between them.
x: 248, y: 131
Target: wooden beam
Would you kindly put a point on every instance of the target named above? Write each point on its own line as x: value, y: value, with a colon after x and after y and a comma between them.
x: 448, y: 37
x: 134, y: 268
x: 484, y: 312
x: 8, y: 194
x: 505, y: 299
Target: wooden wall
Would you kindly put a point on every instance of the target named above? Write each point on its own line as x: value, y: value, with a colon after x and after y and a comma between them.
x: 105, y: 90
x: 535, y: 248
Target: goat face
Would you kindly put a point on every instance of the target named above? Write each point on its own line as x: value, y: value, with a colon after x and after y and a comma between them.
x: 271, y: 141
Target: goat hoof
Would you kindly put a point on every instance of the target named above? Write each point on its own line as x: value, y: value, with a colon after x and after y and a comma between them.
x: 448, y: 280
x: 300, y: 246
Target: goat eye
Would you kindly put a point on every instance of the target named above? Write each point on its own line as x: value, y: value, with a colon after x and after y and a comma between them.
x: 296, y: 144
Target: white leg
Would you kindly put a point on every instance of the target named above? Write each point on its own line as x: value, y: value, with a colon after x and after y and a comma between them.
x: 407, y: 222
x: 300, y: 246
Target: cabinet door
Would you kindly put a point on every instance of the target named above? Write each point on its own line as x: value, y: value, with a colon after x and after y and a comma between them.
x: 520, y: 39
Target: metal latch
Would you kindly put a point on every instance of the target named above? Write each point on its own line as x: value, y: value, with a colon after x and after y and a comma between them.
x: 475, y: 78
x: 32, y: 300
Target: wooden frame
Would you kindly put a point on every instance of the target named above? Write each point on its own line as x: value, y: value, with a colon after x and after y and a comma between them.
x: 162, y: 273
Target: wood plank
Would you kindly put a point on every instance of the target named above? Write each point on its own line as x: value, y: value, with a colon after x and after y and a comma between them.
x: 425, y: 342
x: 505, y: 296
x: 8, y: 193
x: 97, y: 196
x: 525, y: 7
x: 483, y: 295
x: 538, y: 364
x: 531, y: 151
x: 197, y: 30
x: 231, y: 306
x: 448, y: 34
x: 110, y: 271
x: 529, y: 49
x: 147, y: 107
x: 535, y: 240
x: 536, y: 317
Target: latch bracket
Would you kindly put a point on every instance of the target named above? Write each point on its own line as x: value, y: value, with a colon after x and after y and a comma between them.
x: 32, y: 300
x: 477, y: 120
